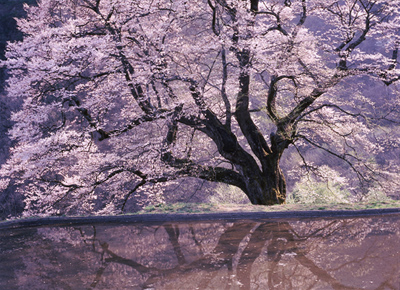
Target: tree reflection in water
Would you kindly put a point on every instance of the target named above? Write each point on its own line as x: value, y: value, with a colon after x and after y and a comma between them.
x: 358, y: 253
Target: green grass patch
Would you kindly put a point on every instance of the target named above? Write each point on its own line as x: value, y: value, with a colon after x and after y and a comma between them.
x: 199, y: 208
x: 178, y: 208
x: 215, y: 208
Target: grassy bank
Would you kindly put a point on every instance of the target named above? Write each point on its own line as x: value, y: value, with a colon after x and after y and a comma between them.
x: 194, y: 212
x: 215, y: 208
x: 165, y: 210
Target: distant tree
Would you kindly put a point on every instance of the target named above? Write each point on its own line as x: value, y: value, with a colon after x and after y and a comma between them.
x: 123, y: 96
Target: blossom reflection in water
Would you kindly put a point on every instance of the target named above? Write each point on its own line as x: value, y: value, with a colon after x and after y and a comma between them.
x: 349, y: 253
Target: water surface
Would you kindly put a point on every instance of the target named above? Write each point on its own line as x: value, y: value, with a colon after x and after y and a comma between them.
x: 322, y: 253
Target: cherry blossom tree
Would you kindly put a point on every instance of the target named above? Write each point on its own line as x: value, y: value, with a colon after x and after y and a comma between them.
x: 122, y: 97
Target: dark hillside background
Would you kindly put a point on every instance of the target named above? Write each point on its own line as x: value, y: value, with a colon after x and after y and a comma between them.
x: 9, y: 9
x: 10, y: 204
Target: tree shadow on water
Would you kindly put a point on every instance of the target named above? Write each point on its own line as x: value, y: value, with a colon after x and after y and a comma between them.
x: 306, y: 254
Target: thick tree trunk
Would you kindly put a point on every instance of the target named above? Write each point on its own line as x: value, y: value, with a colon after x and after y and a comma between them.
x: 268, y: 188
